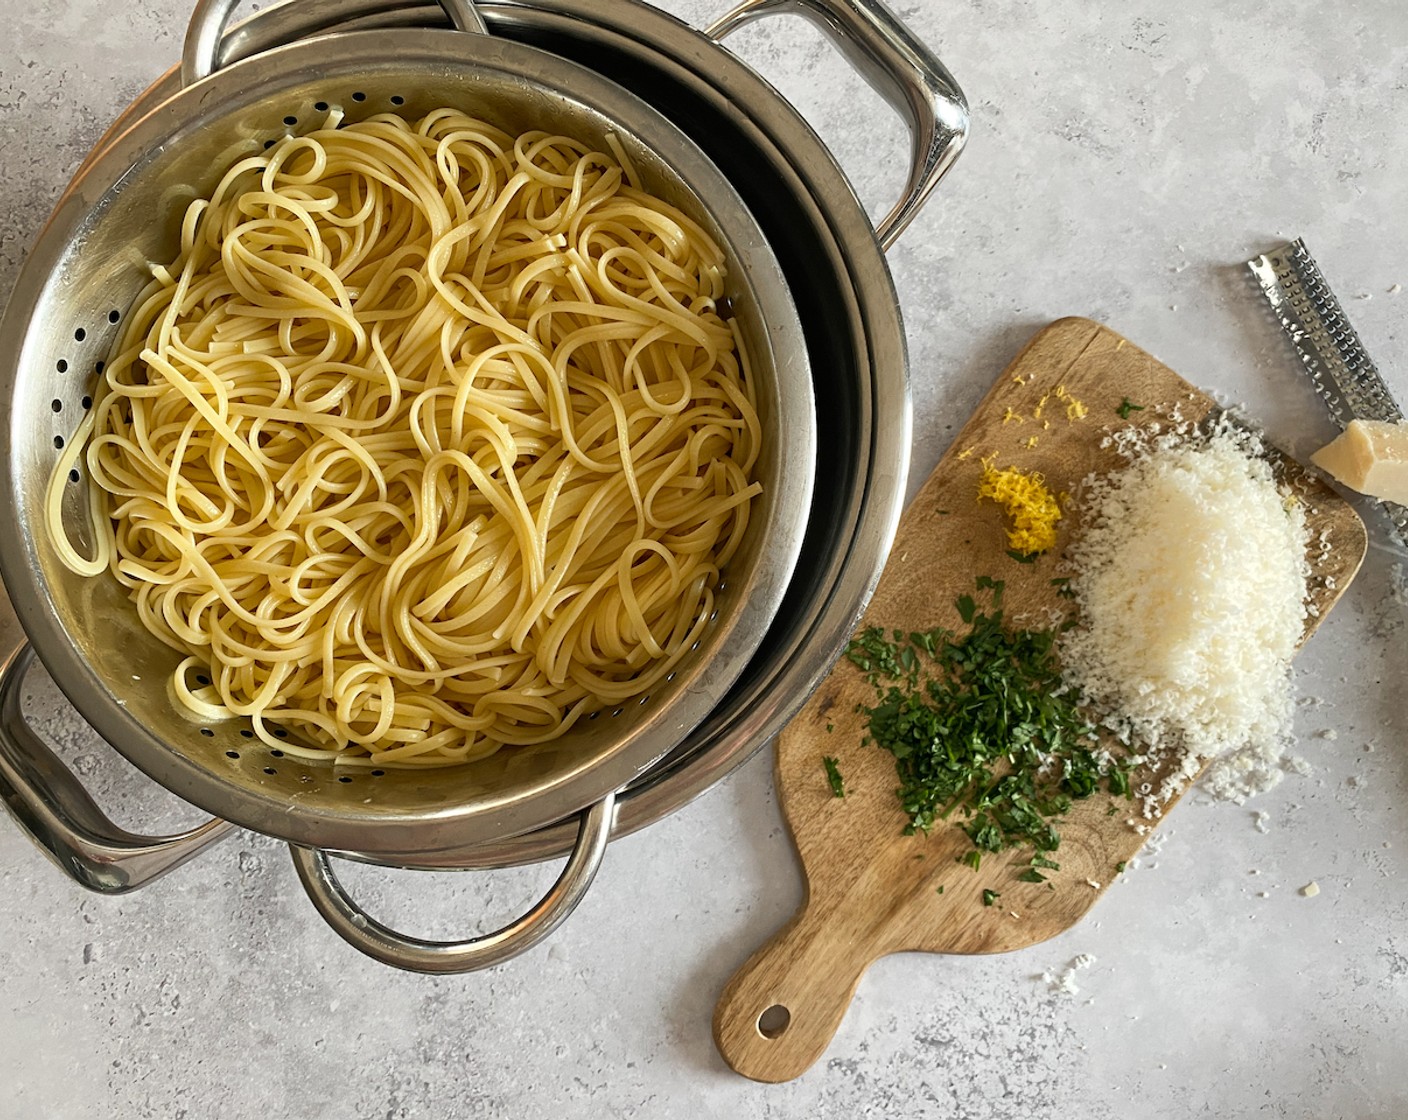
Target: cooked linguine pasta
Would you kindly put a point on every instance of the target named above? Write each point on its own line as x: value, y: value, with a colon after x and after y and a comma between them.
x: 432, y: 439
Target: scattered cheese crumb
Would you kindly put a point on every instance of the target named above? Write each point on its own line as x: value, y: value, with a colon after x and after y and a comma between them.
x: 1328, y: 733
x: 1311, y: 889
x: 966, y: 453
x: 1261, y: 819
x: 1010, y: 417
x: 1031, y: 442
x: 1064, y: 982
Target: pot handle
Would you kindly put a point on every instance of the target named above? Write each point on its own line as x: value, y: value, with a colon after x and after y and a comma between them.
x: 413, y: 954
x: 50, y: 804
x: 200, y: 56
x: 898, y: 67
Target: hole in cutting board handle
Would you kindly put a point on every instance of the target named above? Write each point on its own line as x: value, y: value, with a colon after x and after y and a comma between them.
x: 773, y: 1021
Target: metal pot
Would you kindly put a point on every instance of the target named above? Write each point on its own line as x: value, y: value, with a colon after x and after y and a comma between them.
x: 832, y: 257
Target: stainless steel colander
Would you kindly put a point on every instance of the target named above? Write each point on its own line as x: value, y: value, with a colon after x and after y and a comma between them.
x: 123, y: 212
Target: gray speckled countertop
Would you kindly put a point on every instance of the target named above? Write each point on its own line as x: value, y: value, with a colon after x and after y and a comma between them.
x: 1125, y: 159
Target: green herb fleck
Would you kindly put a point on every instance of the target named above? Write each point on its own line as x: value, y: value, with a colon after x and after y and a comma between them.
x: 830, y: 727
x: 981, y: 732
x: 939, y: 889
x: 989, y: 897
x: 1023, y: 557
x: 1031, y: 875
x: 1126, y: 407
x: 1119, y: 867
x: 833, y: 775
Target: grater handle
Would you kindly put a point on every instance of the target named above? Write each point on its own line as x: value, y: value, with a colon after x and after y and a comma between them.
x: 899, y: 67
x: 51, y: 805
x: 350, y: 922
x: 200, y: 56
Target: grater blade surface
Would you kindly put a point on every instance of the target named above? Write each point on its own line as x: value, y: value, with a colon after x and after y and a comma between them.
x: 1329, y: 348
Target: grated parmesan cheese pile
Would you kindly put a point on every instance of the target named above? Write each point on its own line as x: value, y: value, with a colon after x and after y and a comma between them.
x: 1191, y: 581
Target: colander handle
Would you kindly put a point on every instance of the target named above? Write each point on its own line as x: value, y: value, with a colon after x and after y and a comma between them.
x: 200, y: 56
x: 413, y: 954
x: 50, y: 804
x: 898, y: 67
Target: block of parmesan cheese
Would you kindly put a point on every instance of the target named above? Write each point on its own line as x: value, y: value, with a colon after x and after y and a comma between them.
x: 1370, y: 456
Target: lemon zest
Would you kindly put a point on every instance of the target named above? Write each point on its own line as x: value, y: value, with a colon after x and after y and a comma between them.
x: 1026, y: 500
x: 1075, y: 409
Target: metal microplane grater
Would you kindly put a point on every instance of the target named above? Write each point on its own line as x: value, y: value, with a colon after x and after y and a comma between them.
x: 1344, y: 374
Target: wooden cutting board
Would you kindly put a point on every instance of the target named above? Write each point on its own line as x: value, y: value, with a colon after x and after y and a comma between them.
x: 871, y: 890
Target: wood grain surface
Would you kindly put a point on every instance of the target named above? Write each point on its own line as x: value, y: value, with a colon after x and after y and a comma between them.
x: 871, y: 890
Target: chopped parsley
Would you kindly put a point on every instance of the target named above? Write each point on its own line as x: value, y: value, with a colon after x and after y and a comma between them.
x: 1126, y: 407
x: 833, y: 775
x: 939, y: 889
x: 989, y: 897
x: 981, y: 731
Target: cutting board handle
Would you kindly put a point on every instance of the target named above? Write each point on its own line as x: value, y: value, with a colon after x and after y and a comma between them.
x: 781, y: 1009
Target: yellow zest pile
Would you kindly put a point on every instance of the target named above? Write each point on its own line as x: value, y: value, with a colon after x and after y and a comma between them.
x: 1026, y: 500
